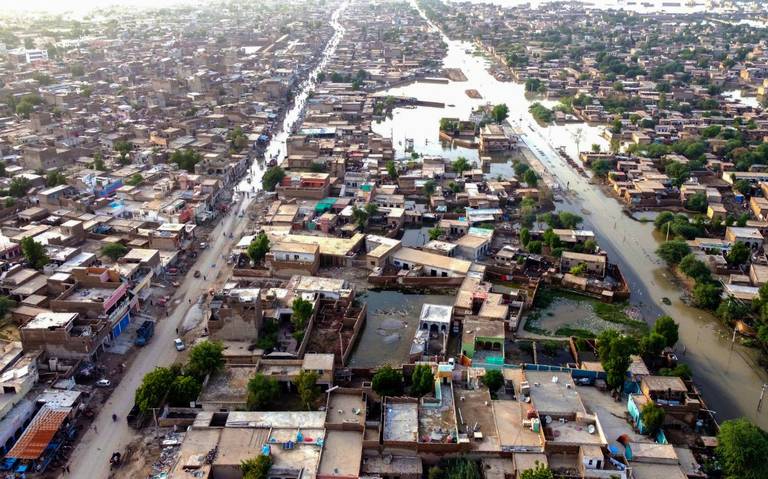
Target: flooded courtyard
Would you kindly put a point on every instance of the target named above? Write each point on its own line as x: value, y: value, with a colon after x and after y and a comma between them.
x: 391, y: 324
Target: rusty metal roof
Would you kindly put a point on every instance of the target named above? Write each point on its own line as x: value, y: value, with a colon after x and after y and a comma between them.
x: 40, y: 433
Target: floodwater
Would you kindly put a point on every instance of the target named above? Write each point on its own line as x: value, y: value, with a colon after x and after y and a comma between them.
x: 277, y: 145
x: 727, y: 374
x: 392, y: 321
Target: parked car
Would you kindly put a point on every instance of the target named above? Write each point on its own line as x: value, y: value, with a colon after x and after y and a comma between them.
x: 103, y: 383
x: 179, y: 344
x: 203, y: 245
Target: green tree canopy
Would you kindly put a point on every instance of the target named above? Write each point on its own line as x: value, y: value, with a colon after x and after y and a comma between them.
x: 392, y: 170
x: 694, y: 268
x: 205, y: 358
x: 302, y: 311
x: 153, y: 388
x: 707, y: 295
x: 34, y: 252
x: 668, y: 328
x: 19, y: 187
x: 184, y: 390
x: 258, y: 248
x: 531, y: 178
x: 262, y: 391
x: 673, y: 251
x: 500, y: 113
x: 387, y: 381
x: 272, y: 177
x: 461, y: 165
x: 539, y: 472
x: 422, y: 380
x: 306, y: 385
x: 614, y: 350
x: 435, y: 233
x: 493, y: 380
x: 186, y: 159
x: 738, y: 254
x: 652, y: 417
x: 114, y: 251
x: 742, y: 450
x: 256, y: 468
x: 55, y: 178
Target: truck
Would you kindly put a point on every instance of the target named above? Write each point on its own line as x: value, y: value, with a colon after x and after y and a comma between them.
x: 144, y: 333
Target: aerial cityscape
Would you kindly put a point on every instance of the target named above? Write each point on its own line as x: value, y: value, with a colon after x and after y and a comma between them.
x: 393, y: 239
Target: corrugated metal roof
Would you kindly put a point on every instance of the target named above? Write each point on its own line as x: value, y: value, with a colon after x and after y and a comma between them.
x: 39, y: 434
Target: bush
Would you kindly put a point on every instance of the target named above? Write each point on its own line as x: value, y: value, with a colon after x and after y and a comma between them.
x: 493, y: 380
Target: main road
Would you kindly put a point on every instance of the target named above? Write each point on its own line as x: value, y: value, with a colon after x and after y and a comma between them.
x: 90, y: 459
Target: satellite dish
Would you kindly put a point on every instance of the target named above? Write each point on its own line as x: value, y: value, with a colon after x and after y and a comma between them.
x: 547, y: 419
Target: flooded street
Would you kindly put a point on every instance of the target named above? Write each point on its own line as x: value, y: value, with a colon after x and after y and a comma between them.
x: 727, y: 373
x: 277, y: 145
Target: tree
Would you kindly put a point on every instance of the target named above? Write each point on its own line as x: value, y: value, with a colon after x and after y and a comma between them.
x: 539, y: 472
x: 429, y: 188
x: 392, y: 170
x: 153, y: 389
x: 525, y: 236
x: 237, y: 139
x: 184, y: 390
x: 652, y: 417
x: 706, y: 295
x: 371, y: 209
x: 302, y: 310
x: 256, y: 468
x: 742, y: 449
x: 24, y: 108
x: 435, y: 233
x: 614, y: 350
x: 98, y: 163
x: 19, y: 187
x: 673, y: 251
x: 135, y: 179
x: 306, y: 385
x: 262, y: 391
x: 461, y: 165
x: 463, y: 469
x: 114, y: 251
x: 534, y: 247
x: 697, y: 202
x: 387, y: 381
x: 422, y: 380
x: 272, y: 177
x: 742, y: 186
x: 55, y: 178
x: 681, y: 370
x: 500, y: 113
x: 590, y: 246
x: 520, y: 169
x: 6, y: 304
x: 651, y: 345
x: 359, y: 216
x: 569, y: 220
x: 694, y: 268
x: 739, y: 253
x: 34, y: 252
x: 258, y: 248
x: 186, y: 159
x: 579, y: 269
x: 600, y: 168
x: 668, y: 328
x: 530, y: 178
x: 205, y: 358
x: 493, y: 380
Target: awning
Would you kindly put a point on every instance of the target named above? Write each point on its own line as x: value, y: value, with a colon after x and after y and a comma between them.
x: 40, y: 433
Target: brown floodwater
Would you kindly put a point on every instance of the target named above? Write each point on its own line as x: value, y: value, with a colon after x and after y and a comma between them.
x: 727, y: 373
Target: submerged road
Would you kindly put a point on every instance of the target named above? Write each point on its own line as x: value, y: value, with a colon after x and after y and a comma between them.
x: 90, y: 459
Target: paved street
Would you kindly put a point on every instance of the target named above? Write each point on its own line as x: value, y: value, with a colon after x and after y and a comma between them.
x: 91, y: 457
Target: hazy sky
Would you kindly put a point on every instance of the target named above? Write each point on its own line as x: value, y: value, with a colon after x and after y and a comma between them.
x: 55, y: 6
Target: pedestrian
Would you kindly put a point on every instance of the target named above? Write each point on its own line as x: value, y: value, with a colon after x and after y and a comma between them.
x: 67, y: 468
x: 177, y: 330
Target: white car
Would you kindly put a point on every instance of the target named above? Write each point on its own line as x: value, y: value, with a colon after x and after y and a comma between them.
x: 103, y: 383
x: 179, y: 344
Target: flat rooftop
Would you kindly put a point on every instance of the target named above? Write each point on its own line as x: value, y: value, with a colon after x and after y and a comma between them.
x: 551, y: 394
x: 346, y: 408
x: 50, y: 319
x: 401, y: 422
x: 513, y: 436
x: 342, y: 454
